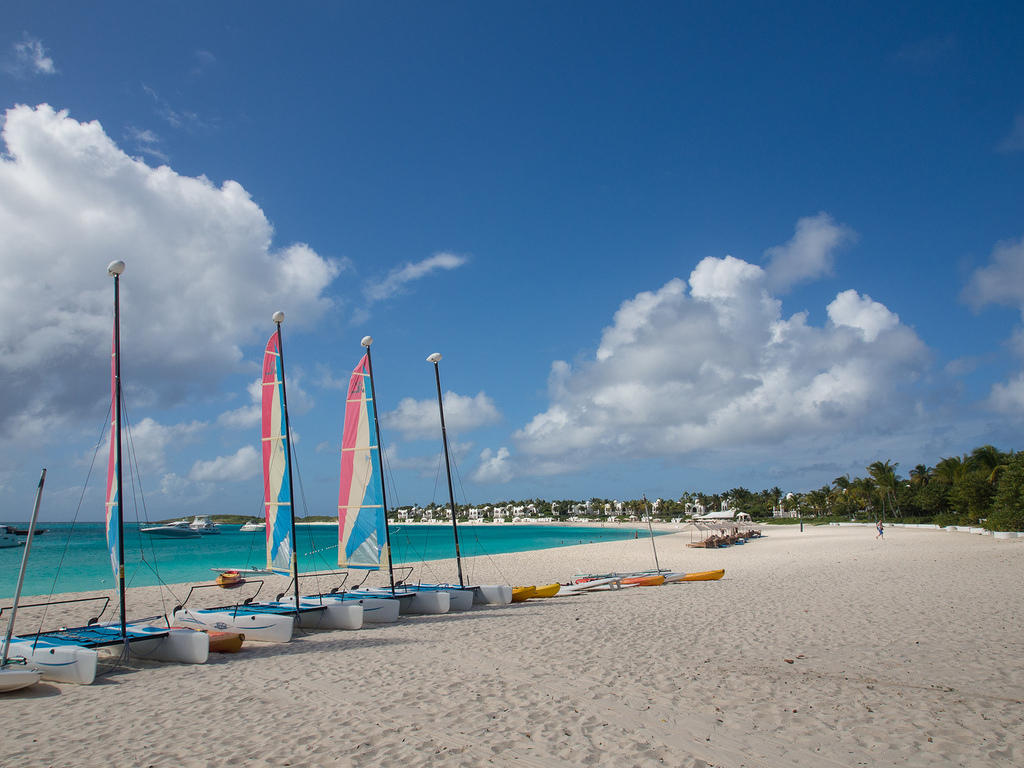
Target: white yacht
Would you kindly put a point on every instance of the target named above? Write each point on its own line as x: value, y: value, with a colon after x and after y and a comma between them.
x: 204, y: 525
x: 179, y: 529
x: 253, y: 525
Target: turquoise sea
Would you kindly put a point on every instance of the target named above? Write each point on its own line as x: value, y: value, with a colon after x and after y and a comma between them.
x: 73, y: 558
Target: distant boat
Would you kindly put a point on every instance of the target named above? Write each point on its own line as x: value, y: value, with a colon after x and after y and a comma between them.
x: 8, y: 538
x: 204, y: 525
x: 253, y: 525
x: 179, y: 529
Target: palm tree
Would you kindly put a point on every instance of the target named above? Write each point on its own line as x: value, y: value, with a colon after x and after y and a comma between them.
x: 920, y: 475
x: 884, y: 475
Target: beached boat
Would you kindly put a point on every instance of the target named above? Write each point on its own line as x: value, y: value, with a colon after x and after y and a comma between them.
x: 547, y: 590
x: 522, y: 594
x: 273, y: 621
x: 17, y: 673
x: 70, y: 654
x: 703, y: 576
x: 654, y: 580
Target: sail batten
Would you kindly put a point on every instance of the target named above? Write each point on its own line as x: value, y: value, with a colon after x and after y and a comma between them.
x: 276, y: 487
x: 361, y: 531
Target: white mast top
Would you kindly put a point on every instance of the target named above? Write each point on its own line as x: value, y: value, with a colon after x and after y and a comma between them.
x: 279, y: 317
x: 367, y: 341
x: 434, y: 358
x: 115, y: 268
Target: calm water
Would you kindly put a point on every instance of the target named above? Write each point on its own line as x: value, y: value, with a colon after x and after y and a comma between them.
x: 67, y: 559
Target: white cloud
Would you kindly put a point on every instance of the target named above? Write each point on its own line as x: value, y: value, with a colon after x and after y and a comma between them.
x: 495, y: 467
x: 241, y: 465
x: 420, y: 418
x: 1002, y: 280
x: 809, y: 254
x: 852, y: 310
x: 202, y: 277
x: 399, y: 278
x: 247, y: 416
x: 719, y: 367
x: 148, y: 442
x: 29, y: 57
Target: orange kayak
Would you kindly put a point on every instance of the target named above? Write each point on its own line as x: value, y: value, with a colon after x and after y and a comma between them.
x: 704, y: 576
x: 548, y: 590
x: 225, y: 642
x: 644, y: 581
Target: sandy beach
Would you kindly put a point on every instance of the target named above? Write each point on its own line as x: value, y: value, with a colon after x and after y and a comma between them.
x: 821, y: 648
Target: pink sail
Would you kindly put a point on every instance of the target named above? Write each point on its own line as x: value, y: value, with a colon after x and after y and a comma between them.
x: 277, y: 493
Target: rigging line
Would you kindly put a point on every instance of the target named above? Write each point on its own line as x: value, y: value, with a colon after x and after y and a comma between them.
x: 74, y: 520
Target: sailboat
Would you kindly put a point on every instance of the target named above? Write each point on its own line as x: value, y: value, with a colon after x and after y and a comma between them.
x: 364, y: 537
x: 274, y: 621
x: 17, y: 673
x: 462, y: 597
x: 70, y: 654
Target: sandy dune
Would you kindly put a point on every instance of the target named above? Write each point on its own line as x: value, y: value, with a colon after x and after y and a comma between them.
x: 904, y: 652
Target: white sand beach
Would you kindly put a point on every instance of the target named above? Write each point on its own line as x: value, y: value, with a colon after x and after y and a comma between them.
x: 821, y: 648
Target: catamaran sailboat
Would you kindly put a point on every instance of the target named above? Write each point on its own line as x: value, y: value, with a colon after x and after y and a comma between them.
x: 273, y: 621
x: 70, y: 654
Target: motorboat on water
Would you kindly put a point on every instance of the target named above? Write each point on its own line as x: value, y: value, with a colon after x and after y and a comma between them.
x: 179, y: 529
x: 253, y: 525
x: 204, y: 525
x: 8, y: 538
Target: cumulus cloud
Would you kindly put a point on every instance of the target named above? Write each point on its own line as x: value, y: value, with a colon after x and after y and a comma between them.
x: 148, y: 442
x: 712, y: 363
x: 494, y: 467
x: 462, y: 413
x: 244, y: 463
x: 202, y: 275
x: 398, y: 278
x: 809, y: 254
x: 1001, y: 281
x: 28, y: 57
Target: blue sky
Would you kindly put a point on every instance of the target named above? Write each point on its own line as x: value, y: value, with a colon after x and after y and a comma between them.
x: 661, y: 248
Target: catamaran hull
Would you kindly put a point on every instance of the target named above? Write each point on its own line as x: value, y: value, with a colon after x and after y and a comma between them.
x: 185, y: 646
x: 376, y: 610
x: 334, y: 615
x: 492, y: 594
x: 58, y: 662
x: 459, y: 598
x: 260, y: 627
x: 13, y: 678
x: 416, y: 602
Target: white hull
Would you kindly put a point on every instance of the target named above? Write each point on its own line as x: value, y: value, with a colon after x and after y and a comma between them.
x: 376, y: 610
x: 592, y: 586
x: 260, y: 627
x: 181, y: 645
x: 492, y: 594
x: 19, y: 676
x: 58, y: 662
x: 415, y: 603
x: 334, y: 615
x: 459, y: 598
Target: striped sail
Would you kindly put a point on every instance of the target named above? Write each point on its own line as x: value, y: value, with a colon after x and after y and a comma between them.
x: 277, y: 495
x: 112, y: 500
x: 361, y: 534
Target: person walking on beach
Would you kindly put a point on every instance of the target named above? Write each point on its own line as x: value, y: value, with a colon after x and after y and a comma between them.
x: 881, y: 530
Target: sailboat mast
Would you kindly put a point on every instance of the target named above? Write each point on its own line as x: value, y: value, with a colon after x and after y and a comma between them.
x: 21, y: 572
x: 651, y: 529
x: 435, y: 359
x: 278, y: 319
x: 366, y: 342
x: 115, y: 269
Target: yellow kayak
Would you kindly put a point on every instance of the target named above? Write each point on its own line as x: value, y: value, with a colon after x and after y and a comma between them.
x: 548, y: 590
x: 519, y: 594
x: 704, y: 576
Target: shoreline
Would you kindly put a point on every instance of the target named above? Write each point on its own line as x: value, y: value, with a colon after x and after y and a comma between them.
x: 826, y: 647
